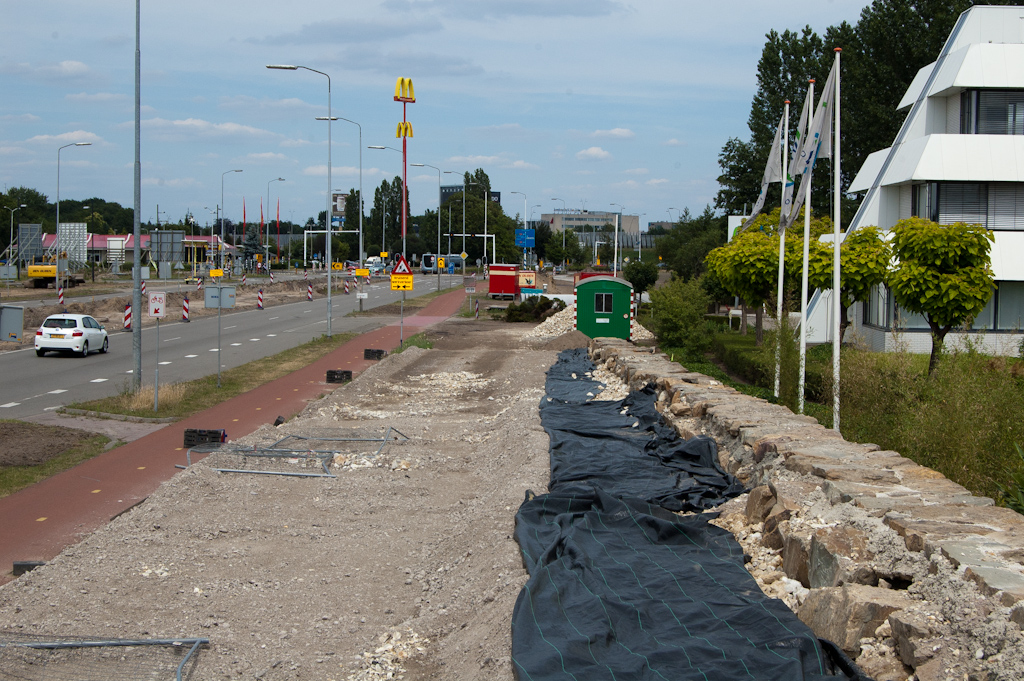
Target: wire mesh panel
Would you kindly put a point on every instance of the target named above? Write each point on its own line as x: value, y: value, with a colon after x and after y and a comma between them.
x: 30, y: 241
x: 38, y: 657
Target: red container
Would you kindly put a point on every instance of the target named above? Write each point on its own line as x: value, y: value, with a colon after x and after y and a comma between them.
x: 503, y: 282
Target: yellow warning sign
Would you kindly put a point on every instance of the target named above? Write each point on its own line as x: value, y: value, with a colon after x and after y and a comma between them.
x: 363, y: 273
x: 401, y: 282
x: 216, y: 273
x: 337, y: 265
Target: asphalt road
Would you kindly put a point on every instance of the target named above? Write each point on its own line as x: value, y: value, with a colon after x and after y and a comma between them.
x: 31, y: 385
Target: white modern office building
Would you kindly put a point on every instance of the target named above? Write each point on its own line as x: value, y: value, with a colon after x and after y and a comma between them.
x: 959, y: 157
x: 581, y: 221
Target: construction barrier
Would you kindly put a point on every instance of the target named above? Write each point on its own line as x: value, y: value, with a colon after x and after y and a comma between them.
x: 184, y: 310
x: 127, y: 318
x: 346, y: 287
x: 243, y: 278
x: 309, y: 292
x: 143, y: 287
x: 271, y: 276
x: 259, y: 300
x: 199, y: 285
x: 305, y: 275
x: 60, y: 295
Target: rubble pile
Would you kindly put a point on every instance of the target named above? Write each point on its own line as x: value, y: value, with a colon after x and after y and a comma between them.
x: 906, y: 571
x: 385, y: 662
x: 561, y: 322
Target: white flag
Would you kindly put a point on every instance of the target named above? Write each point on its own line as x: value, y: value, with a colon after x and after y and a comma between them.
x: 801, y: 134
x: 772, y: 173
x: 820, y: 132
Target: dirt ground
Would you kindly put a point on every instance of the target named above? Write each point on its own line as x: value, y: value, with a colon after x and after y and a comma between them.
x: 31, y: 444
x: 405, y: 558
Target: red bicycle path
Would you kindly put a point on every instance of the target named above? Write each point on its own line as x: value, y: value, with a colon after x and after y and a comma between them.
x: 38, y: 522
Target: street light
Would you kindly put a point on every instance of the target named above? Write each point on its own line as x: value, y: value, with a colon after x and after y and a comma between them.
x: 383, y: 225
x: 327, y: 215
x: 360, y: 258
x: 276, y: 179
x: 73, y: 144
x: 464, y: 185
x: 438, y: 252
x: 669, y: 211
x: 10, y: 246
x: 563, y: 228
x: 615, y: 255
x: 220, y: 208
x: 639, y: 255
x: 524, y: 220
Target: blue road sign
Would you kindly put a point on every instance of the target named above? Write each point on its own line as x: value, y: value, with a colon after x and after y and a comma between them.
x: 526, y: 238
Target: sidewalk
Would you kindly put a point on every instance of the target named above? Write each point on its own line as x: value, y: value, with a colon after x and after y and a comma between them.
x: 38, y: 522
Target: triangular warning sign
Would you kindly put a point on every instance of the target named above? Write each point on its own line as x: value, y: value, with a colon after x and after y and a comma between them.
x: 401, y: 267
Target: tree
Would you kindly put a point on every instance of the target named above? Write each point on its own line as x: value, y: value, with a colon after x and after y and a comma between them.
x: 748, y: 268
x: 642, y: 275
x: 251, y: 243
x: 679, y: 321
x: 685, y: 247
x: 942, y: 272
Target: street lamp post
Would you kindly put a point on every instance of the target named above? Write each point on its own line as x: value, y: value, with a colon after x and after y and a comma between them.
x: 669, y: 211
x: 73, y: 144
x: 276, y: 179
x: 327, y: 215
x: 437, y: 253
x: 639, y: 255
x: 524, y: 220
x: 360, y: 258
x: 221, y: 212
x: 382, y: 228
x: 10, y: 246
x: 615, y: 255
x: 464, y: 185
x: 563, y: 230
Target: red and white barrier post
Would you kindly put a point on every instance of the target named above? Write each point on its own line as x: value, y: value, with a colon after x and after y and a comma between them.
x: 127, y: 317
x: 305, y: 274
x: 184, y: 310
x: 60, y: 295
x: 199, y: 285
x: 309, y: 292
x: 143, y: 288
x: 259, y: 300
x: 271, y: 276
x: 346, y: 287
x: 243, y: 278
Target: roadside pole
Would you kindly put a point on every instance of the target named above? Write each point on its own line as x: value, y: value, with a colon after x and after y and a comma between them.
x: 157, y: 309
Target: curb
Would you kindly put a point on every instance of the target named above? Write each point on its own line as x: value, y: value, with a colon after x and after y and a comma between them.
x: 115, y: 417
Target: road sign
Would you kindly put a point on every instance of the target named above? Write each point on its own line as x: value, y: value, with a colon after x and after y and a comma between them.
x: 471, y: 289
x: 463, y: 255
x: 401, y: 267
x: 216, y: 273
x: 363, y: 273
x: 526, y: 238
x: 337, y: 265
x: 157, y: 304
x: 451, y: 268
x: 383, y: 254
x: 363, y: 295
x: 440, y: 263
x: 401, y: 282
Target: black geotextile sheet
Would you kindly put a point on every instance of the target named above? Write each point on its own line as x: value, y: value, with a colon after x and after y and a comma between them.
x: 621, y: 587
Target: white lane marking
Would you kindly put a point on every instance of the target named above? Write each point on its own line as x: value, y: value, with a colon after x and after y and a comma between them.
x: 306, y: 311
x: 274, y: 335
x: 235, y: 345
x: 253, y: 339
x: 218, y: 349
x: 194, y: 356
x: 52, y: 408
x: 163, y: 363
x: 168, y: 340
x: 230, y: 327
x: 130, y: 371
x: 98, y: 380
x: 9, y: 404
x: 58, y: 391
x: 273, y: 318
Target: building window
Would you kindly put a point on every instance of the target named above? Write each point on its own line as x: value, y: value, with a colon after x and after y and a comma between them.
x: 603, y: 302
x: 962, y: 202
x: 923, y: 203
x: 992, y: 112
x: 876, y: 312
x: 1010, y: 306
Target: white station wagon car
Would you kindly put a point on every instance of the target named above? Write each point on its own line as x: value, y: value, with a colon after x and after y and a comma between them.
x: 77, y: 333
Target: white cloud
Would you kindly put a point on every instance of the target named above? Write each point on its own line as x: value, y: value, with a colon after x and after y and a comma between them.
x: 265, y: 156
x: 592, y: 154
x: 195, y: 128
x: 350, y: 30
x: 475, y: 160
x: 96, y: 97
x: 295, y: 143
x: 636, y: 171
x: 248, y: 102
x: 338, y: 171
x: 656, y: 181
x: 673, y: 143
x: 521, y: 165
x: 174, y: 183
x: 68, y: 69
x: 67, y: 138
x: 616, y: 133
x: 20, y: 118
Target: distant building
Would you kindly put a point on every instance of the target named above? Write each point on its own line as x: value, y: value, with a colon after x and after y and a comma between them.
x: 580, y: 220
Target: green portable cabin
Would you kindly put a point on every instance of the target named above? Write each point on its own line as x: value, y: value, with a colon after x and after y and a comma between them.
x: 604, y: 307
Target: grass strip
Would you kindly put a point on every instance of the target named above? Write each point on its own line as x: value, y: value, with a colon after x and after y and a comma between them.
x: 419, y: 340
x: 179, y: 400
x: 15, y: 478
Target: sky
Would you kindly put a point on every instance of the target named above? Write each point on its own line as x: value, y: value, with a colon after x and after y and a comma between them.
x: 593, y: 102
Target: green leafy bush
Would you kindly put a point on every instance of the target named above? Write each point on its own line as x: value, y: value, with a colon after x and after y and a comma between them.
x: 533, y: 309
x: 679, y: 322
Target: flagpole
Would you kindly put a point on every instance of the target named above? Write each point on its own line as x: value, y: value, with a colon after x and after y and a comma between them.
x: 836, y: 308
x: 803, y: 278
x: 782, y: 251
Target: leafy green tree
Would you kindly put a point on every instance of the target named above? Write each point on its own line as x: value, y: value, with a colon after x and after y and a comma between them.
x: 687, y: 244
x: 642, y: 275
x: 575, y: 254
x: 748, y: 268
x: 942, y: 272
x: 251, y: 242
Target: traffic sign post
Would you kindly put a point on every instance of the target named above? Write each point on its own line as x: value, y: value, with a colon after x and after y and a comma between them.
x: 158, y: 309
x: 401, y: 280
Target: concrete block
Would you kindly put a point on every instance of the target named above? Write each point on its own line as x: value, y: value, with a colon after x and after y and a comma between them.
x: 846, y: 614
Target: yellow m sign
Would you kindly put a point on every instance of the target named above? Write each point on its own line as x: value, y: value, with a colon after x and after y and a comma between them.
x: 404, y: 91
x: 404, y: 129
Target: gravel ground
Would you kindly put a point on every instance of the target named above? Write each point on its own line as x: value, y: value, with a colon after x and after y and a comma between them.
x: 405, y: 561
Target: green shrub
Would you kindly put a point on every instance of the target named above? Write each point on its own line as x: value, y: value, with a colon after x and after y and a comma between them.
x: 679, y: 322
x: 532, y: 309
